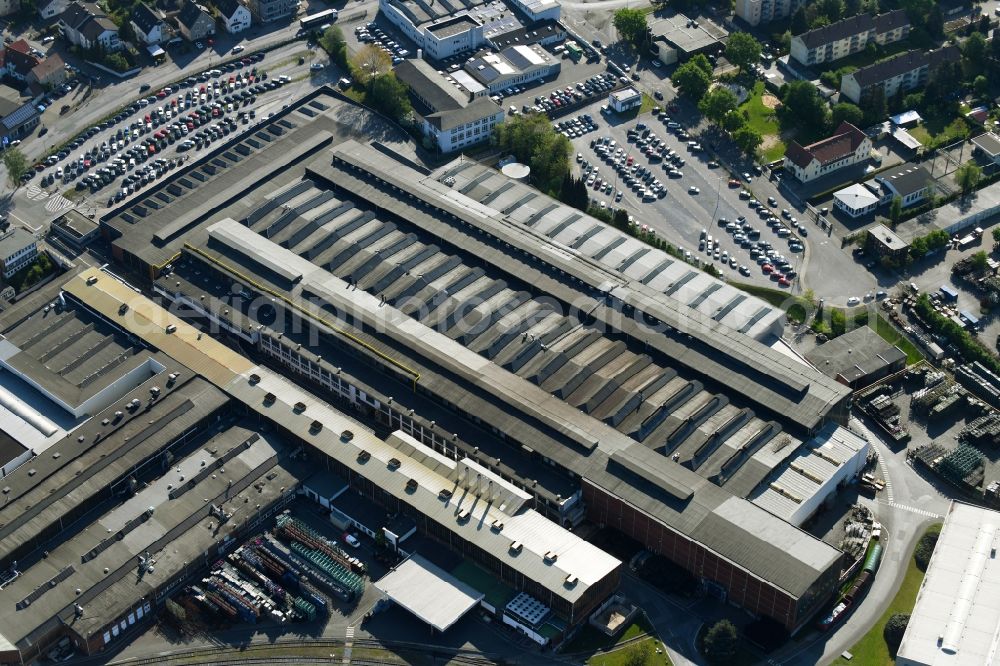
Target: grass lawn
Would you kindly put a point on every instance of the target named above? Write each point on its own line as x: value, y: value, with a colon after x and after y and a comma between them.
x: 937, y: 131
x: 871, y: 650
x: 762, y: 118
x: 889, y: 333
x: 795, y: 306
x: 591, y: 640
x: 765, y: 121
x: 621, y: 656
x: 773, y: 152
x: 647, y: 103
x: 745, y: 655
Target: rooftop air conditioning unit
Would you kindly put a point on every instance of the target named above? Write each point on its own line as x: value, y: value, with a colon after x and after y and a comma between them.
x: 516, y: 547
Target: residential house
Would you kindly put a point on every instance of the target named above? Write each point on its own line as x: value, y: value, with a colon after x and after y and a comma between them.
x: 905, y: 72
x: 235, y: 16
x: 18, y: 248
x: 148, y: 26
x: 49, y: 73
x: 846, y: 147
x: 18, y: 60
x: 51, y: 8
x: 87, y: 26
x: 265, y: 11
x: 195, y: 22
x: 851, y: 35
x: 756, y: 12
x: 18, y: 115
x: 912, y: 183
x: 987, y: 146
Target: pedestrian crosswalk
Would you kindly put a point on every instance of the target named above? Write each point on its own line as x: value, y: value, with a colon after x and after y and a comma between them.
x: 350, y: 632
x: 913, y: 509
x: 57, y: 203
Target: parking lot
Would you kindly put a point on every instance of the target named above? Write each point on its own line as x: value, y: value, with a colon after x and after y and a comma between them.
x: 652, y: 169
x: 158, y: 132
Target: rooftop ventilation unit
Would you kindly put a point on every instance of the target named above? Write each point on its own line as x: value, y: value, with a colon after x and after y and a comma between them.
x: 411, y: 485
x: 346, y: 436
x: 364, y: 456
x: 571, y: 580
x: 464, y: 515
x: 394, y: 463
x: 551, y: 556
x: 516, y: 547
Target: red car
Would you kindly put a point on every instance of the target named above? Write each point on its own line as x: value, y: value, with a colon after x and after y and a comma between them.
x: 784, y: 281
x: 767, y: 268
x: 161, y: 94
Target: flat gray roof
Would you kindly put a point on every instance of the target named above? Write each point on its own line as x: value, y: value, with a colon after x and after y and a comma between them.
x: 855, y: 354
x: 685, y: 34
x: 430, y: 593
x: 174, y: 534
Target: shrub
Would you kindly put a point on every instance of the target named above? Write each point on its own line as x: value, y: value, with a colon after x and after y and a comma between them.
x: 894, y: 630
x: 924, y: 550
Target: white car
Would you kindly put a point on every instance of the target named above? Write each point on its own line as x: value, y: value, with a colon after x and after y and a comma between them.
x: 853, y: 300
x: 693, y: 190
x: 237, y: 49
x: 352, y: 541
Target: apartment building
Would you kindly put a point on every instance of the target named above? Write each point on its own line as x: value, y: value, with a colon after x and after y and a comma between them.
x: 756, y: 12
x: 843, y: 38
x: 905, y: 72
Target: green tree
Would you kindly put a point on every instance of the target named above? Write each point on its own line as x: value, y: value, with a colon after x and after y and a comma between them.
x: 996, y: 234
x: 620, y: 219
x: 803, y: 106
x: 846, y: 111
x: 16, y: 164
x: 748, y: 139
x: 800, y: 21
x: 702, y: 63
x: 979, y: 261
x: 893, y: 631
x: 935, y: 22
x: 980, y: 85
x: 895, y: 210
x: 733, y: 121
x: 691, y: 80
x: 637, y: 654
x: 369, y: 63
x: 974, y: 52
x: 874, y: 106
x: 631, y: 25
x: 335, y: 45
x: 717, y: 103
x: 389, y: 95
x: 743, y: 50
x: 721, y: 642
x: 532, y: 140
x: 968, y: 176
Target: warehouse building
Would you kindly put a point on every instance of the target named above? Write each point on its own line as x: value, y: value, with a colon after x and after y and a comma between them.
x: 956, y: 619
x: 678, y: 38
x: 603, y: 378
x: 451, y: 500
x: 858, y: 358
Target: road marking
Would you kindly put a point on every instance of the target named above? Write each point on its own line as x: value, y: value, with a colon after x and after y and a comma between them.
x: 912, y: 509
x: 57, y: 203
x: 35, y: 193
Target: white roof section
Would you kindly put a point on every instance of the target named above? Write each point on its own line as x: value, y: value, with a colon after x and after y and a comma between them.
x: 808, y: 471
x: 524, y: 56
x: 956, y: 620
x: 625, y: 94
x: 240, y: 239
x: 430, y: 593
x: 856, y: 196
x: 908, y: 140
x: 467, y: 81
x: 905, y: 118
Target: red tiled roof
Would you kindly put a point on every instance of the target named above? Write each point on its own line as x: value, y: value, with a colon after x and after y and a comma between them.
x: 844, y: 141
x: 20, y: 46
